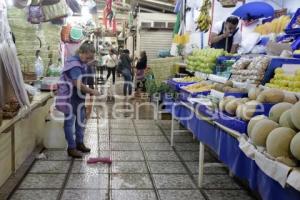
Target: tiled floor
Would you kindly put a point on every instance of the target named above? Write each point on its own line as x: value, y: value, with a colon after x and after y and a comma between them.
x: 144, y: 167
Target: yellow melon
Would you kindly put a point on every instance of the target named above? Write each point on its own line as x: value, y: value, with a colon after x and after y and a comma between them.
x: 295, y: 115
x: 277, y: 110
x: 286, y: 120
x: 278, y: 142
x: 295, y: 146
x: 287, y: 161
x: 271, y: 96
x: 253, y: 122
x: 261, y: 130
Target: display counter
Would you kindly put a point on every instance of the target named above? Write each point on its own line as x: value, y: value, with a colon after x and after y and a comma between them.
x: 20, y: 135
x: 272, y: 180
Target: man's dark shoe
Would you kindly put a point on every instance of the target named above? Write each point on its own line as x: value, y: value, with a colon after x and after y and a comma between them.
x: 74, y: 153
x: 83, y: 148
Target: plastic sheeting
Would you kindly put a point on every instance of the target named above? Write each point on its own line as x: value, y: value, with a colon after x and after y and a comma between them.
x: 8, y: 55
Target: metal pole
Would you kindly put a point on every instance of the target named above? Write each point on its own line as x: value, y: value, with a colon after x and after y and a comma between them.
x: 201, y: 164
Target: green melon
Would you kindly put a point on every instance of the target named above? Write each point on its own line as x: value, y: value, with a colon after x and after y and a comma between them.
x: 261, y: 130
x: 277, y: 110
x: 295, y: 115
x: 253, y: 122
x: 295, y: 146
x: 278, y: 142
x: 286, y: 120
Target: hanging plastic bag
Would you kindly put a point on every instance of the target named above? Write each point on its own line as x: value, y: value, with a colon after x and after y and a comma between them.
x: 39, y: 67
x: 51, y: 12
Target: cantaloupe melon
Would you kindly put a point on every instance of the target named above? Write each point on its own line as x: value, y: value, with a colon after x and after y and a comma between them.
x: 295, y: 146
x: 249, y: 109
x: 277, y: 110
x: 229, y: 83
x: 253, y: 122
x: 290, y: 98
x: 278, y: 142
x: 271, y: 96
x: 261, y: 130
x: 295, y: 113
x: 232, y: 105
x: 253, y: 93
x: 286, y: 120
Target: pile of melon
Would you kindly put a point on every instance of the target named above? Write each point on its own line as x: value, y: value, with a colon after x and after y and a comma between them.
x: 279, y: 133
x: 246, y: 108
x: 228, y: 87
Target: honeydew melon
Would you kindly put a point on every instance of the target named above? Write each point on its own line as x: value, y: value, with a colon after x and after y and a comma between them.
x: 277, y: 110
x: 286, y: 120
x: 295, y: 146
x: 261, y: 130
x: 295, y: 115
x: 253, y: 122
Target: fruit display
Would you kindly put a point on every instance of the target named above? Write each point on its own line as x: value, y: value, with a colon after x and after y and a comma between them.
x: 276, y: 26
x: 228, y: 87
x: 285, y: 82
x: 204, y: 60
x: 278, y: 133
x: 278, y: 142
x: 204, y: 19
x: 261, y: 130
x: 251, y: 70
x: 188, y: 79
x: 198, y: 87
x: 277, y: 110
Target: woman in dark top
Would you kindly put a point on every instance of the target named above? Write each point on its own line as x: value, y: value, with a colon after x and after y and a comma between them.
x: 140, y: 69
x: 125, y: 69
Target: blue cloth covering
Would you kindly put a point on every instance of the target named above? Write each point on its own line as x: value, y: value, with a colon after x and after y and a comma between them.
x: 228, y: 151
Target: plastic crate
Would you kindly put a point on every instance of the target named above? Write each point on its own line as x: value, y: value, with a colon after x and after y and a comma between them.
x: 275, y: 63
x: 289, y: 29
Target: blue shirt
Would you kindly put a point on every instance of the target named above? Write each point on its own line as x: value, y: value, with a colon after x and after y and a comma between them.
x: 76, y: 73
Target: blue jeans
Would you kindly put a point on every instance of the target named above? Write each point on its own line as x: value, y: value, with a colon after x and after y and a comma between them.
x: 128, y: 82
x: 79, y: 118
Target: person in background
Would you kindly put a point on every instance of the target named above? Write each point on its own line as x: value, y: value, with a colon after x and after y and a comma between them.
x: 226, y: 35
x: 124, y: 67
x: 141, y: 65
x: 111, y: 63
x: 76, y: 68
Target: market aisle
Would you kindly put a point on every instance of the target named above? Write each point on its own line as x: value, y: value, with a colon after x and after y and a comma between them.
x: 144, y: 167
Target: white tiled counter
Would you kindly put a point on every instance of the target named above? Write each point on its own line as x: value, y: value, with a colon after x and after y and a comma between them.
x: 20, y: 135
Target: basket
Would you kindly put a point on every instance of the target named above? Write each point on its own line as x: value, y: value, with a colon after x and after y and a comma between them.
x: 29, y: 77
x: 10, y: 110
x: 228, y: 3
